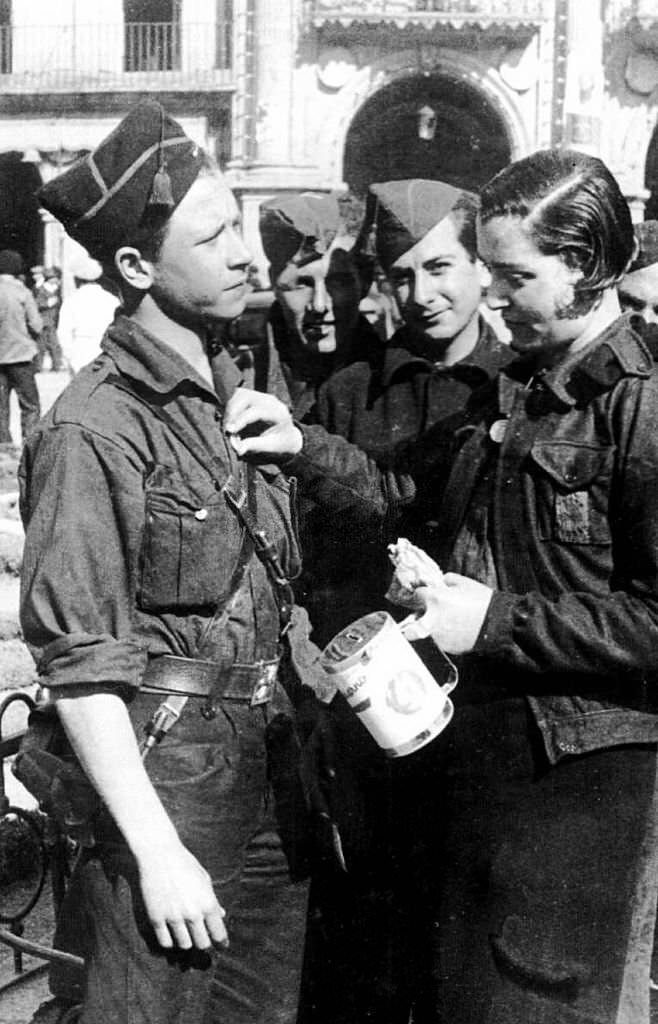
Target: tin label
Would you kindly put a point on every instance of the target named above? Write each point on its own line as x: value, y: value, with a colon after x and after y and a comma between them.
x: 387, y: 685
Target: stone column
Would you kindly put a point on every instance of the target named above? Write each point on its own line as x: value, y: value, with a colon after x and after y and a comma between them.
x: 275, y: 38
x: 584, y: 76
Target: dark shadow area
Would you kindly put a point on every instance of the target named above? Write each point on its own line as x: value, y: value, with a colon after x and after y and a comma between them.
x: 465, y: 139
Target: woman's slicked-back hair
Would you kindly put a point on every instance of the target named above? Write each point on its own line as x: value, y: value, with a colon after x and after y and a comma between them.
x: 572, y: 206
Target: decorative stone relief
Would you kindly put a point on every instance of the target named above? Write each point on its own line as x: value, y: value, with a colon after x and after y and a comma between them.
x: 519, y: 68
x: 335, y: 68
x: 641, y: 72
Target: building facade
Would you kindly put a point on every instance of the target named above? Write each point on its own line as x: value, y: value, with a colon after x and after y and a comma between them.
x: 324, y: 94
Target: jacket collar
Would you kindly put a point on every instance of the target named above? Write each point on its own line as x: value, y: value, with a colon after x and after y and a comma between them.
x: 151, y: 362
x: 617, y: 352
x: 479, y: 366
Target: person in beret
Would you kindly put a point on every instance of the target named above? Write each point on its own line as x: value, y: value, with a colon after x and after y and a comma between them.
x: 638, y: 288
x: 146, y: 604
x: 314, y: 321
x: 422, y: 233
x: 20, y: 328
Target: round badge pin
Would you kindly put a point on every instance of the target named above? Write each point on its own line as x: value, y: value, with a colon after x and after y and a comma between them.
x: 497, y: 431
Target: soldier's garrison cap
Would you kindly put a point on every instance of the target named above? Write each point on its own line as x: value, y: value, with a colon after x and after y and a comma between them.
x: 299, y: 226
x: 400, y: 213
x: 144, y: 167
x: 646, y: 234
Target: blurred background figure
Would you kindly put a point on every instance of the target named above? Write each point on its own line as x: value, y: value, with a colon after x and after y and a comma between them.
x: 47, y: 292
x: 638, y: 289
x: 20, y: 327
x: 379, y: 308
x: 84, y: 315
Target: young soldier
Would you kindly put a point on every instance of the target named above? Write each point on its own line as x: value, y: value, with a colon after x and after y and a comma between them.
x: 362, y: 924
x: 540, y: 825
x: 423, y: 235
x: 144, y: 581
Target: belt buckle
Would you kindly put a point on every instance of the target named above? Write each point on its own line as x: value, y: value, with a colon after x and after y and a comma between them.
x: 263, y: 690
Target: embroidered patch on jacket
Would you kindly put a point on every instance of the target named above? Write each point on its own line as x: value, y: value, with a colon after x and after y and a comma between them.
x: 572, y: 517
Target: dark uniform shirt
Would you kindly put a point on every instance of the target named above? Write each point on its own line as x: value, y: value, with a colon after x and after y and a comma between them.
x: 572, y: 524
x: 130, y: 543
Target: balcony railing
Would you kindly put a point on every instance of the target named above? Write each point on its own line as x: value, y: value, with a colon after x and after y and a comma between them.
x: 152, y: 46
x: 403, y: 12
x: 121, y: 56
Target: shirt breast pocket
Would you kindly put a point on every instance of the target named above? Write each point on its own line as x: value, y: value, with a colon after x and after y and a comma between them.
x: 190, y: 544
x: 572, y: 491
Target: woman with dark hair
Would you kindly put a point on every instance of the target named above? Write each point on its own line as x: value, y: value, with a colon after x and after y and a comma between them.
x: 540, y: 829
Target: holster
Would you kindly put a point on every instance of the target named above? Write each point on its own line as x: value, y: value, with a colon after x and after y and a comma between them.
x: 60, y: 787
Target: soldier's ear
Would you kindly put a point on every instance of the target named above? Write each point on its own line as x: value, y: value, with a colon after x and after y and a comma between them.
x: 483, y: 273
x: 133, y: 268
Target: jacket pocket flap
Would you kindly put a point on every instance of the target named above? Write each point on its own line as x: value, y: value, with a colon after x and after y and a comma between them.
x: 572, y: 467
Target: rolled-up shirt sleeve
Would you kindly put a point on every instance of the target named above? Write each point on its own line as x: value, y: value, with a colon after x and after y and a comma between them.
x: 82, y: 508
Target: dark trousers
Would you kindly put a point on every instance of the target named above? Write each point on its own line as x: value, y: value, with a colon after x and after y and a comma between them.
x: 212, y: 778
x: 18, y: 377
x: 48, y: 343
x: 360, y: 961
x: 516, y: 891
x: 544, y: 876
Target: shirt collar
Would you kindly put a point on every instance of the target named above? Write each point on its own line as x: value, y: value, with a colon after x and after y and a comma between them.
x: 481, y: 364
x: 144, y: 358
x: 617, y: 352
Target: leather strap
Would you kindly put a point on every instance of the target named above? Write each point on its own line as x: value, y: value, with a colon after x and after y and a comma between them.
x: 207, y: 680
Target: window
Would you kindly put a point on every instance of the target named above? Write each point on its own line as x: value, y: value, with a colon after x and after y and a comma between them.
x: 152, y: 35
x: 5, y: 37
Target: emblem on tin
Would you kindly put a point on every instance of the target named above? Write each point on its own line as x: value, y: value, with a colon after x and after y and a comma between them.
x: 405, y: 693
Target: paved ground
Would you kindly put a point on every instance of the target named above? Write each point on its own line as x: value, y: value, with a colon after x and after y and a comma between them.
x: 19, y: 1001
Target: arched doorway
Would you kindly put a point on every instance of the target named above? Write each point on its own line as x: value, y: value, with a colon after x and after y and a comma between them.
x: 20, y: 224
x: 426, y: 126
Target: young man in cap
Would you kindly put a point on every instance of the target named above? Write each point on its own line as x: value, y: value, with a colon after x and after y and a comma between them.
x: 423, y: 236
x: 540, y: 819
x: 20, y: 327
x: 315, y: 320
x: 154, y: 594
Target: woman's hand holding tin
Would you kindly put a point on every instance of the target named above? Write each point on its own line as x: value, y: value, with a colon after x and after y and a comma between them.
x: 453, y: 613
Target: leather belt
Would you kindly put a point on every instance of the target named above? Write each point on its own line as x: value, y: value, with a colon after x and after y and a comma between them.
x: 195, y: 677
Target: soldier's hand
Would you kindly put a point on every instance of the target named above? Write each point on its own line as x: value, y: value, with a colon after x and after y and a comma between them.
x: 261, y: 425
x: 180, y: 901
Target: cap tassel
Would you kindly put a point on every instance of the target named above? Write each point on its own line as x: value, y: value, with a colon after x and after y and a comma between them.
x: 161, y: 194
